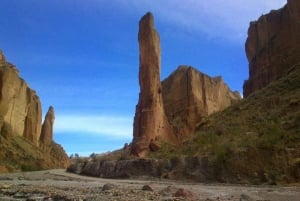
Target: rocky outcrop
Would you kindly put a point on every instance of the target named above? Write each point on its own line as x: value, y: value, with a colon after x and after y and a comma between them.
x: 189, y: 96
x: 272, y: 46
x: 170, y: 110
x: 150, y: 121
x: 46, y: 137
x: 2, y: 58
x: 20, y: 107
x: 21, y: 118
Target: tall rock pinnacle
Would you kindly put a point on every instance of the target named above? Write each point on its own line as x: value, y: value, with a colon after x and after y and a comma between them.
x: 2, y: 58
x: 150, y: 121
x: 47, y: 128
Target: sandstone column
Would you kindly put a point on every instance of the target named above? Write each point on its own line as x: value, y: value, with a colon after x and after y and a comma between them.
x: 150, y: 122
x: 2, y: 58
x: 46, y: 137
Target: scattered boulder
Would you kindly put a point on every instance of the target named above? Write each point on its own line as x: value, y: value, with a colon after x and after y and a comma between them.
x: 147, y: 188
x: 168, y: 191
x: 108, y: 187
x: 186, y: 194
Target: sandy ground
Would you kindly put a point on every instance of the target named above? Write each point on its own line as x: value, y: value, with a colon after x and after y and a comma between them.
x: 60, y: 185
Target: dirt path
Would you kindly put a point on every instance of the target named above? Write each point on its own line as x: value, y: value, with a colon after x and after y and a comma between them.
x: 60, y: 185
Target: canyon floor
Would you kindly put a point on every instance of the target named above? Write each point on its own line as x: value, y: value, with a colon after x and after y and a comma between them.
x: 57, y: 184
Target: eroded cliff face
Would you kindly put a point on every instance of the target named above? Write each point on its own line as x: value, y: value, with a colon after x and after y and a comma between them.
x: 189, y: 96
x: 21, y: 119
x: 170, y: 110
x: 20, y: 107
x: 150, y: 121
x: 272, y: 46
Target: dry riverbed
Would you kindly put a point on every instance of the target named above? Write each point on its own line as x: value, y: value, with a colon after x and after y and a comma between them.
x: 54, y: 185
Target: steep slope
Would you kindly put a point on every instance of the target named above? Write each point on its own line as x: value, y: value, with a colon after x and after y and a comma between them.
x: 23, y: 142
x: 256, y: 140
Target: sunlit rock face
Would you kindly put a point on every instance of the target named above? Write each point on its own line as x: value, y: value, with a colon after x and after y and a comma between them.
x: 21, y: 131
x: 20, y: 107
x: 272, y: 46
x: 189, y: 96
x: 46, y: 137
x: 170, y: 110
x: 150, y: 121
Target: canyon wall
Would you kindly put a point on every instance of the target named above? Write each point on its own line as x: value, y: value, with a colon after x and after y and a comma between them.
x: 21, y: 118
x: 272, y: 46
x: 20, y: 107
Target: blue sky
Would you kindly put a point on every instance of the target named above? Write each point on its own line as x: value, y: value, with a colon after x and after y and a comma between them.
x: 81, y: 56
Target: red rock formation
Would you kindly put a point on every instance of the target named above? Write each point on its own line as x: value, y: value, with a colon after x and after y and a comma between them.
x: 169, y: 111
x: 190, y: 95
x: 272, y: 46
x: 150, y: 121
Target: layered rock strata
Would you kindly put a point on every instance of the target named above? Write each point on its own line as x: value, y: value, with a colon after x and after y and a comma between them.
x: 150, y: 121
x: 272, y: 46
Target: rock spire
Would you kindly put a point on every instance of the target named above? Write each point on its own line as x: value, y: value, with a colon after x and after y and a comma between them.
x: 169, y: 111
x: 47, y: 128
x: 150, y: 121
x: 2, y: 58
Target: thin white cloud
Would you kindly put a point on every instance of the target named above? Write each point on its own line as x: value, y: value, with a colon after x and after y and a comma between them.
x: 103, y: 125
x: 227, y: 19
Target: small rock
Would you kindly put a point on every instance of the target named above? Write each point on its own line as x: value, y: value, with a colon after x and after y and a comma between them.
x: 37, y: 198
x: 147, y: 188
x: 108, y: 187
x: 20, y: 195
x: 168, y: 191
x: 5, y: 186
x: 186, y: 194
x: 245, y: 197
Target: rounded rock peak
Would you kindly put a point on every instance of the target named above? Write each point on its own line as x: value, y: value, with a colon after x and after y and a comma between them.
x: 147, y: 19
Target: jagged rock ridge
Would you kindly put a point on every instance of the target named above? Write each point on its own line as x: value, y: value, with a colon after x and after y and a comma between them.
x: 21, y: 116
x: 170, y: 110
x: 272, y: 46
